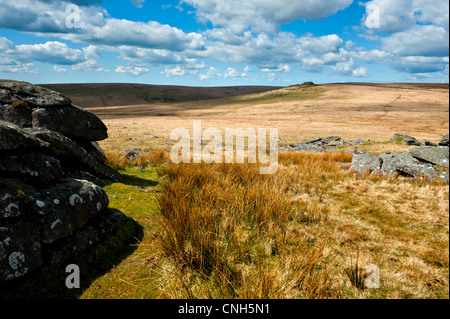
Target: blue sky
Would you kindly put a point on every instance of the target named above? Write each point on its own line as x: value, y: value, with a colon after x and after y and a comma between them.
x: 224, y: 43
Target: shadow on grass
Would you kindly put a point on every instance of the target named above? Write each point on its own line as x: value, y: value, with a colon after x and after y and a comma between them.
x: 129, y: 180
x: 49, y: 281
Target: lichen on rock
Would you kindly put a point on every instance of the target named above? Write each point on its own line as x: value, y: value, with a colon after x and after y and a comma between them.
x: 48, y: 210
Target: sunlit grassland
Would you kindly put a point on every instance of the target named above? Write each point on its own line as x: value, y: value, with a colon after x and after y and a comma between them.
x: 225, y: 231
x: 293, y: 93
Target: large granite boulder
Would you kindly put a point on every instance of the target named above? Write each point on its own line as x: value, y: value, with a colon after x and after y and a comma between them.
x: 395, y: 164
x: 363, y: 162
x: 33, y: 95
x: 404, y: 163
x: 76, y: 158
x: 405, y: 139
x: 97, y: 228
x: 28, y: 105
x: 20, y: 249
x: 50, y: 207
x: 307, y: 148
x: 68, y: 206
x: 444, y: 141
x: 71, y: 121
x: 434, y: 155
x: 19, y: 113
x: 37, y: 168
x: 13, y: 138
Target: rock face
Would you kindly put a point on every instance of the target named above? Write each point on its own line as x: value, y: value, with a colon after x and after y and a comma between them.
x: 133, y: 153
x: 444, y: 141
x: 49, y: 210
x: 363, y: 162
x: 70, y: 121
x: 417, y: 163
x: 434, y: 155
x: 316, y: 144
x: 405, y: 139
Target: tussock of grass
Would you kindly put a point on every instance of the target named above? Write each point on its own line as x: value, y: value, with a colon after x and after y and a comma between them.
x: 225, y: 231
x: 227, y: 228
x: 119, y: 160
x: 152, y: 158
x: 116, y: 160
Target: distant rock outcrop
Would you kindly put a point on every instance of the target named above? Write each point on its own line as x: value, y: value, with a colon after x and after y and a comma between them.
x: 50, y: 209
x: 420, y: 162
x: 434, y: 155
x: 405, y: 139
x: 320, y: 144
x: 444, y: 141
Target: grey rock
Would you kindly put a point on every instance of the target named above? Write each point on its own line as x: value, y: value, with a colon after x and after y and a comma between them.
x: 39, y: 168
x: 363, y: 162
x: 444, y: 141
x: 93, y: 149
x: 313, y: 140
x: 405, y: 139
x: 332, y: 141
x: 67, y: 207
x: 92, y: 233
x: 17, y: 115
x: 318, y: 143
x: 411, y: 141
x: 429, y: 143
x: 132, y: 154
x: 390, y: 162
x: 42, y: 203
x: 433, y: 155
x: 58, y: 144
x: 398, y: 136
x: 356, y: 142
x: 16, y: 199
x: 14, y: 138
x: 20, y: 250
x: 71, y: 121
x: 5, y: 96
x: 75, y: 157
x: 307, y: 148
x: 405, y: 164
x: 34, y: 95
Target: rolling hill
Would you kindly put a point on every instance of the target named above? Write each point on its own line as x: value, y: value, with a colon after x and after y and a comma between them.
x: 118, y: 94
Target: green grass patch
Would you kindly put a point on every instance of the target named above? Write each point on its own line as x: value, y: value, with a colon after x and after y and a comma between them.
x: 109, y: 269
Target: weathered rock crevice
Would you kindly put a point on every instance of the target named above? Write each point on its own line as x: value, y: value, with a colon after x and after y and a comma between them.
x: 418, y: 162
x: 50, y: 207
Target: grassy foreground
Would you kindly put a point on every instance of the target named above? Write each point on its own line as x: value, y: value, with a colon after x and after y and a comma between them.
x: 225, y: 231
x: 308, y: 231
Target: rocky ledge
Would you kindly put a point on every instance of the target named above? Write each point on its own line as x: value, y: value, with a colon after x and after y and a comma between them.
x: 419, y: 162
x: 50, y: 209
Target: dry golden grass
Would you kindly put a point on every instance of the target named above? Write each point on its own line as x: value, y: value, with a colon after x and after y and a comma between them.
x: 118, y: 160
x: 307, y: 231
x: 370, y: 112
x: 225, y: 230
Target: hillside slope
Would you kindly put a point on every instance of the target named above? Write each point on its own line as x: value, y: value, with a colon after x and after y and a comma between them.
x: 118, y: 94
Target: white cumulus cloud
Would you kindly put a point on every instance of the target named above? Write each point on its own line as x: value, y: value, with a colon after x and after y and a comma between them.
x: 135, y: 70
x: 263, y: 15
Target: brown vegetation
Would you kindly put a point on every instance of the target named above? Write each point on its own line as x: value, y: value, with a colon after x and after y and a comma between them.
x: 308, y: 231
